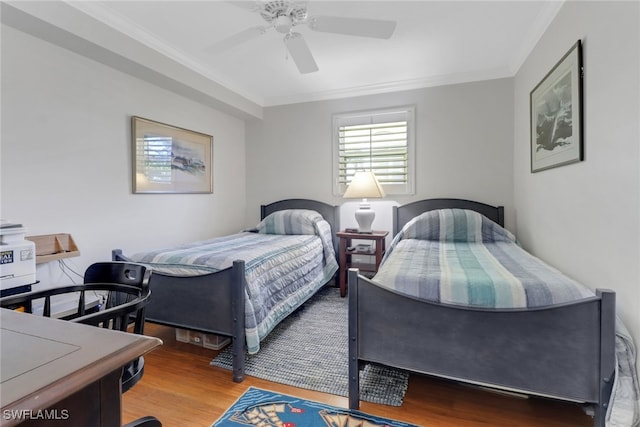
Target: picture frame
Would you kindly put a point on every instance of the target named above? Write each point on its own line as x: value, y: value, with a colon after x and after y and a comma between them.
x: 556, y: 114
x: 170, y: 159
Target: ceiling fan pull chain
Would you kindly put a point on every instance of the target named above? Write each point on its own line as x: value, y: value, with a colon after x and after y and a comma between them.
x: 284, y: 45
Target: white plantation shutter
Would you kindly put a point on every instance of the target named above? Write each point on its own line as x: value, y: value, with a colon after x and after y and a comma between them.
x: 380, y: 141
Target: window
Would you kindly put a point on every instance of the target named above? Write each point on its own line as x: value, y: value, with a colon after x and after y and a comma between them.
x: 381, y: 141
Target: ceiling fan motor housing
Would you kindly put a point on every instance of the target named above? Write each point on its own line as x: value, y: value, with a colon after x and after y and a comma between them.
x: 284, y: 14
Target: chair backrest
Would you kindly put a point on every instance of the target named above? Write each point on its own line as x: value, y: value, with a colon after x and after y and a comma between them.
x: 124, y: 273
x: 124, y: 306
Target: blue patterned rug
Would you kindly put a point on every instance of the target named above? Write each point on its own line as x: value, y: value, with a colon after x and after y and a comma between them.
x: 257, y: 407
x: 309, y: 349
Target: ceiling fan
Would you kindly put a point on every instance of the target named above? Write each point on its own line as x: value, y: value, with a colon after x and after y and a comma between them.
x: 284, y: 15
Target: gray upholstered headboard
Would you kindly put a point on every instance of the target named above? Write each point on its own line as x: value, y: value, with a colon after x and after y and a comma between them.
x: 329, y: 212
x: 403, y: 214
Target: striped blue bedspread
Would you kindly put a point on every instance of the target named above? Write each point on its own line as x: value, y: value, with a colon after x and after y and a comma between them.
x: 460, y: 257
x: 492, y: 275
x: 282, y: 271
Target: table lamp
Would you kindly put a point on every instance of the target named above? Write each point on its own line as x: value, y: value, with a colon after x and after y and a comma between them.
x: 364, y: 185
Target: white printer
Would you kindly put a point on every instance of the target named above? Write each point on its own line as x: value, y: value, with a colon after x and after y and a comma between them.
x: 17, y: 257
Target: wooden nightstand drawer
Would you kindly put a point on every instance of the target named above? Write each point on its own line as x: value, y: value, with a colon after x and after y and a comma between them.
x: 367, y: 260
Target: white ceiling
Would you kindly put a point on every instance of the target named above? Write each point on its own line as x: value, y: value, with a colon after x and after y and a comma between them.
x: 435, y: 43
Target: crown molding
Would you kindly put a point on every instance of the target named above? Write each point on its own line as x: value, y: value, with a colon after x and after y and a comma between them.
x: 396, y: 86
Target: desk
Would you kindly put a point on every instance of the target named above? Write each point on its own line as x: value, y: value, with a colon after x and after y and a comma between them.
x: 53, y: 370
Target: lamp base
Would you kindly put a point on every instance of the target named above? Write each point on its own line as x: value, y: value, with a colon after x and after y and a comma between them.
x: 365, y: 217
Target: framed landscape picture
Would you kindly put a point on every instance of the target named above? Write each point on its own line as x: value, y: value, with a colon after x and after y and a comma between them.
x: 556, y: 114
x: 169, y: 159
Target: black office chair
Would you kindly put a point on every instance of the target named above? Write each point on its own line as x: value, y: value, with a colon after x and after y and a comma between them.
x: 127, y: 294
x: 129, y: 274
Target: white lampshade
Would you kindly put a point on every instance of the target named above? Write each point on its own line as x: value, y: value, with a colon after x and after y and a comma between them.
x: 364, y: 185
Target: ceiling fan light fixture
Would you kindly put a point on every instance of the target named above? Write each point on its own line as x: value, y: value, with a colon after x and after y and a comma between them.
x: 283, y: 24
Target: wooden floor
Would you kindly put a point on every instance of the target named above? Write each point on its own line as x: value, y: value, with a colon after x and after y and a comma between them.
x: 181, y: 389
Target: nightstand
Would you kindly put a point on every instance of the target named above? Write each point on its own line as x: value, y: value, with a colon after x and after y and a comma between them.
x: 374, y: 252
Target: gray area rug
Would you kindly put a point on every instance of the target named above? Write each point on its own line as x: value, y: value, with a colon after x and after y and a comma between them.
x: 309, y: 349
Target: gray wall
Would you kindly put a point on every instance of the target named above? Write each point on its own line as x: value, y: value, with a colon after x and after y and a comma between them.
x: 66, y: 156
x: 584, y: 218
x: 464, y: 148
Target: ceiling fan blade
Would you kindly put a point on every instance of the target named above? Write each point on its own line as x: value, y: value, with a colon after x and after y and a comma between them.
x: 299, y: 51
x: 236, y: 39
x: 353, y: 26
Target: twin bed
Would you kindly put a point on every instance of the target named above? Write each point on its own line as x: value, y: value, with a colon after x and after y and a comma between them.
x: 243, y: 285
x: 457, y: 297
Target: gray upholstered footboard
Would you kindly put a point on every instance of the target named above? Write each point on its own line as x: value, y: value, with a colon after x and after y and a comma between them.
x: 210, y: 303
x: 565, y: 351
